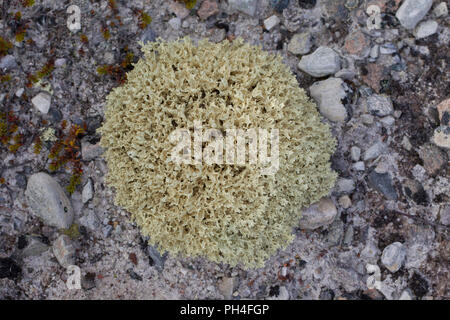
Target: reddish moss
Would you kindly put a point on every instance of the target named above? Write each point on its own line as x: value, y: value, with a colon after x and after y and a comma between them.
x: 144, y: 19
x: 106, y: 33
x: 28, y: 3
x: 84, y: 39
x: 5, y: 78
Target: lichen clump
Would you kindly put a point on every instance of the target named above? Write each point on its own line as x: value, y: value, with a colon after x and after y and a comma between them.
x: 224, y: 212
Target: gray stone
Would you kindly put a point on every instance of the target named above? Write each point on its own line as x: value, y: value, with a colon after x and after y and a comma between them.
x: 322, y: 62
x: 374, y: 151
x: 34, y: 247
x: 157, y: 259
x: 61, y: 62
x: 388, y: 48
x: 412, y: 11
x: 434, y: 159
x: 355, y: 153
x: 226, y: 287
x: 90, y: 221
x: 335, y: 233
x: 179, y: 9
x: 48, y: 201
x: 21, y: 181
x: 345, y: 202
x: 88, y: 191
x: 359, y: 166
x: 300, y: 43
x: 8, y: 62
x: 375, y: 51
x: 245, y: 6
x: 444, y: 215
x: 393, y: 256
x: 440, y: 10
x: 344, y: 185
x: 175, y: 23
x: 367, y: 119
x: 42, y: 102
x: 441, y: 137
x: 380, y: 105
x: 90, y: 151
x: 148, y: 35
x: 426, y: 29
x: 329, y: 94
x: 64, y: 251
x: 271, y: 22
x: 318, y: 214
x: 388, y: 121
x: 382, y: 182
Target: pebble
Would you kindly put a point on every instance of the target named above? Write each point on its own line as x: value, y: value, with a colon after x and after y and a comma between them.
x: 322, y: 62
x: 148, y: 35
x: 329, y: 94
x: 344, y: 185
x: 279, y: 5
x: 42, y: 102
x: 226, y: 287
x: 444, y: 215
x: 61, y: 62
x: 374, y: 151
x: 19, y: 92
x: 88, y: 191
x: 355, y: 153
x: 380, y: 105
x: 440, y: 10
x: 21, y: 181
x: 48, y: 201
x: 300, y: 43
x: 433, y: 158
x: 179, y: 9
x: 426, y: 29
x: 245, y: 6
x: 64, y: 251
x: 375, y: 51
x: 90, y: 151
x: 90, y: 221
x: 441, y: 137
x: 382, y: 182
x: 367, y: 119
x: 388, y: 48
x: 406, y: 295
x: 33, y: 247
x: 444, y: 112
x: 207, y: 9
x: 271, y: 22
x: 318, y: 214
x: 175, y: 23
x: 412, y: 11
x: 8, y: 62
x: 157, y: 259
x: 359, y: 166
x: 388, y: 121
x: 356, y: 43
x: 393, y: 256
x: 406, y: 143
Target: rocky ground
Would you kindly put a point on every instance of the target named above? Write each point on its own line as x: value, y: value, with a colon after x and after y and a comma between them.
x: 378, y: 70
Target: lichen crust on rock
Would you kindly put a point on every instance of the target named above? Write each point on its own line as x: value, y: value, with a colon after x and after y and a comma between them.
x: 227, y: 213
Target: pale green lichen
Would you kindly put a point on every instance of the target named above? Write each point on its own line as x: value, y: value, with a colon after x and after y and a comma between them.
x: 226, y: 213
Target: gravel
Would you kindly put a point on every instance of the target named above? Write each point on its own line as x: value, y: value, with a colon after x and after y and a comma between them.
x: 426, y: 29
x: 318, y: 215
x: 380, y: 105
x: 412, y: 11
x: 322, y: 62
x: 42, y: 102
x: 328, y: 95
x: 393, y: 256
x: 300, y: 43
x: 64, y: 251
x: 48, y: 201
